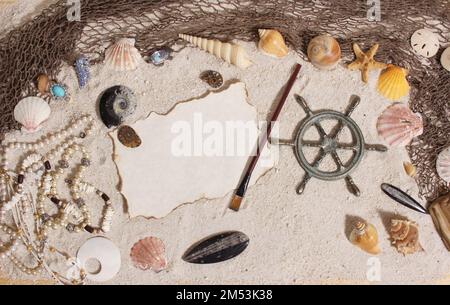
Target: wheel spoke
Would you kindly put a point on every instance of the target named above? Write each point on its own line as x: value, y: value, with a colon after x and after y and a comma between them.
x: 311, y: 144
x: 352, y: 147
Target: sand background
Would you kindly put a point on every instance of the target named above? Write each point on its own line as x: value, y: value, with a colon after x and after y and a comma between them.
x: 293, y: 239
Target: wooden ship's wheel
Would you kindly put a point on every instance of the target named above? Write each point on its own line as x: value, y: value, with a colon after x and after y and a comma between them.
x: 329, y: 144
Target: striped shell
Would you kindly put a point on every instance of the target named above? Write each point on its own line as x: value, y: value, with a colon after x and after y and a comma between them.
x: 149, y: 254
x: 443, y: 165
x: 32, y: 112
x: 232, y: 53
x: 393, y: 83
x: 122, y: 55
x: 398, y: 125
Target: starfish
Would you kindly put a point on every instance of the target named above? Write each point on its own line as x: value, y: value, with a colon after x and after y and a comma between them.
x: 365, y: 61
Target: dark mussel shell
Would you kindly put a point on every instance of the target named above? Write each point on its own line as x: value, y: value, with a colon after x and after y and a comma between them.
x: 116, y: 104
x: 217, y: 248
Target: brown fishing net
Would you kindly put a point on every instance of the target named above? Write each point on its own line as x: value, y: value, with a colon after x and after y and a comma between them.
x: 42, y: 44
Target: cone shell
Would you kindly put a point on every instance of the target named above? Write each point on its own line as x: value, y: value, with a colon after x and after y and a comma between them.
x: 443, y: 165
x: 32, y: 112
x: 149, y: 254
x: 272, y: 43
x: 365, y: 236
x: 440, y: 212
x: 232, y: 53
x: 405, y: 236
x: 398, y: 125
x: 393, y: 83
x: 324, y: 52
x: 122, y: 55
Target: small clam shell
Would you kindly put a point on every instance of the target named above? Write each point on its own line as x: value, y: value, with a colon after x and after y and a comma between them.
x: 443, y: 165
x: 212, y: 78
x: 128, y: 137
x: 43, y: 84
x: 410, y: 169
x: 398, y: 125
x: 149, y: 254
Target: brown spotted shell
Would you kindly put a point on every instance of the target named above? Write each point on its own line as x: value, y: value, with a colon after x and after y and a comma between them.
x: 212, y: 78
x: 149, y: 254
x: 405, y: 236
x: 128, y: 137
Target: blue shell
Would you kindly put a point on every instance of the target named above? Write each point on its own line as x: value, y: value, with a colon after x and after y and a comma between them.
x: 82, y: 67
x: 160, y: 56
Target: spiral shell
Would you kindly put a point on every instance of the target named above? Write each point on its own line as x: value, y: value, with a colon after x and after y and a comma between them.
x: 324, y: 52
x: 32, y: 112
x: 149, y: 254
x: 272, y: 43
x: 122, y: 55
x: 232, y: 53
x: 405, y: 236
x: 365, y: 236
x: 398, y: 125
x: 393, y: 83
x: 443, y: 165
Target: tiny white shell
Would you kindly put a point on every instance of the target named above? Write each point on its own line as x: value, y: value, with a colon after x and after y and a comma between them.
x: 425, y: 43
x: 443, y: 165
x: 32, y: 112
x: 122, y: 55
x: 445, y: 59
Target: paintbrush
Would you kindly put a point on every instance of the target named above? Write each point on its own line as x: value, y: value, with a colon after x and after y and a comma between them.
x: 242, y: 189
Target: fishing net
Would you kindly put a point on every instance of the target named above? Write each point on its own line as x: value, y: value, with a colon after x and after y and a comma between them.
x: 41, y: 45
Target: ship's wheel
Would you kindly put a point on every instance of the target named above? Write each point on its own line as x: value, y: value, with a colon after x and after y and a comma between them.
x: 330, y: 145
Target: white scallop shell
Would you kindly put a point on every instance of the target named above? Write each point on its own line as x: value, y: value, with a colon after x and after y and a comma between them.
x: 122, y: 55
x: 443, y: 165
x: 398, y: 125
x: 425, y: 43
x: 31, y: 112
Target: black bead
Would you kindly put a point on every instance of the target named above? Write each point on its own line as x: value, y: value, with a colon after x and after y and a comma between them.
x: 47, y: 165
x: 89, y: 229
x: 55, y: 200
x: 20, y: 179
x: 105, y: 197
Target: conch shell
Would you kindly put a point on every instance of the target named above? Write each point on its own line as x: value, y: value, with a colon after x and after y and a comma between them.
x: 324, y: 52
x: 272, y: 43
x: 440, y: 212
x: 365, y: 236
x: 232, y: 53
x: 405, y: 236
x: 393, y: 83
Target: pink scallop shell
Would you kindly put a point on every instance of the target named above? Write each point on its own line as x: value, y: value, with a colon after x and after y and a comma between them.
x: 149, y: 254
x: 398, y: 125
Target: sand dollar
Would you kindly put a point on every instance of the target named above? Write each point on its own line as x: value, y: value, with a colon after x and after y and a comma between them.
x: 128, y: 137
x: 425, y: 43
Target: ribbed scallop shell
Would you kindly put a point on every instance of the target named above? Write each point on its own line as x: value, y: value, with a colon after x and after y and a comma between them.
x: 443, y: 165
x: 32, y: 112
x: 398, y: 125
x: 272, y: 43
x: 232, y: 53
x: 149, y: 254
x: 393, y: 83
x: 122, y: 55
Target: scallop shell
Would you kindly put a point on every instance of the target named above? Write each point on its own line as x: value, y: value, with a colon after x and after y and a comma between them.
x: 440, y: 212
x: 393, y: 83
x: 232, y: 53
x: 405, y: 236
x: 398, y: 125
x: 272, y: 43
x: 122, y: 55
x: 32, y: 112
x: 149, y: 254
x: 324, y: 52
x: 443, y: 165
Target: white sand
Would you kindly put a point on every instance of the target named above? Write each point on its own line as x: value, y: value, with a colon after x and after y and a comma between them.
x: 293, y: 239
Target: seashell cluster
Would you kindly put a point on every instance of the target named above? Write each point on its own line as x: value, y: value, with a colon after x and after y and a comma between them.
x: 149, y: 254
x: 365, y: 236
x: 405, y: 236
x: 324, y: 52
x: 32, y: 112
x: 443, y: 165
x: 272, y: 43
x: 122, y: 55
x: 398, y: 125
x: 232, y: 53
x: 393, y: 84
x: 440, y: 212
